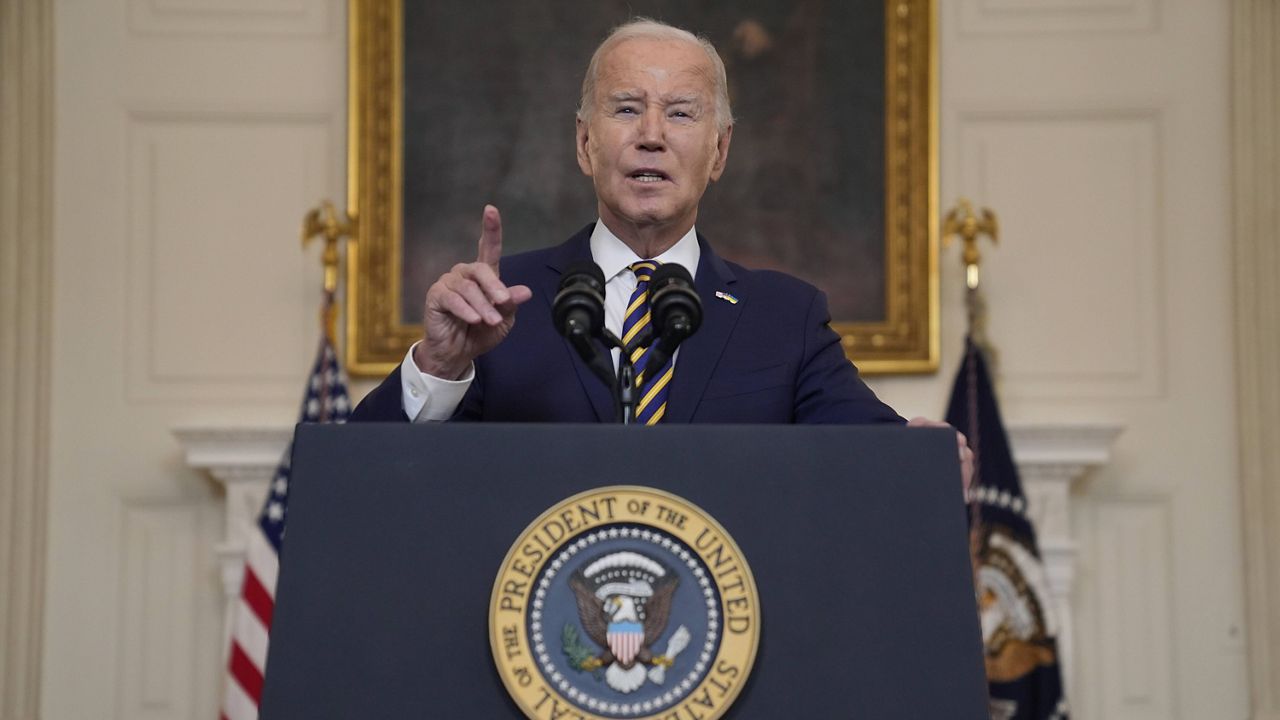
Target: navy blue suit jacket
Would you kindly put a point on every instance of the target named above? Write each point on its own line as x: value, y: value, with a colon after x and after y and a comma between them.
x: 769, y: 358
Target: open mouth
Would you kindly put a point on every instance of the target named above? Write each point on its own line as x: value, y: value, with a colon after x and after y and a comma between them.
x: 648, y: 175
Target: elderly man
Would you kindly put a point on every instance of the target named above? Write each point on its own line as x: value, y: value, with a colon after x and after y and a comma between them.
x: 653, y: 130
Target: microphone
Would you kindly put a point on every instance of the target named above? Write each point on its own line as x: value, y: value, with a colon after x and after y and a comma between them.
x: 578, y: 313
x: 578, y: 308
x: 675, y: 310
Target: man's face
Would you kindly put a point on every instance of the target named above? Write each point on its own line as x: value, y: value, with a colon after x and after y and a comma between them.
x: 650, y: 143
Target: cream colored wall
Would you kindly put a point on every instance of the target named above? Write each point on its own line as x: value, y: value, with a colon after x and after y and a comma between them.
x: 1100, y: 134
x: 191, y: 135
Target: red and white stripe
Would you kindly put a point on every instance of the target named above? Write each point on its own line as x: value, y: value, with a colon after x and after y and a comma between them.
x: 625, y: 645
x: 250, y: 626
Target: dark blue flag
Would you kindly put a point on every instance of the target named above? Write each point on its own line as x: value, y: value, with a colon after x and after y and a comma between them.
x: 1019, y: 632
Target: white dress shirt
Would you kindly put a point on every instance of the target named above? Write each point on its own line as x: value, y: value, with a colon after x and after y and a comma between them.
x: 428, y: 398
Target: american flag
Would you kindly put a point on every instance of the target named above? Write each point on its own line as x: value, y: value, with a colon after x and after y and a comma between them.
x: 325, y: 401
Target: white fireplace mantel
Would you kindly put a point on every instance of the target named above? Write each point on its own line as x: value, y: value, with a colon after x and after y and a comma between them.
x: 242, y: 460
x: 1051, y: 459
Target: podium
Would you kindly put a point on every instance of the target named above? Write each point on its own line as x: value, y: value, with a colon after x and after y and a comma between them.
x: 856, y: 538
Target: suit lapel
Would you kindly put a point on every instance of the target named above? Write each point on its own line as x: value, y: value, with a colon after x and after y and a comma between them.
x: 700, y: 354
x: 578, y: 247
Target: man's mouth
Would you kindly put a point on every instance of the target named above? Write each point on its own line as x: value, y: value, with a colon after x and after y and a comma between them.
x: 648, y: 175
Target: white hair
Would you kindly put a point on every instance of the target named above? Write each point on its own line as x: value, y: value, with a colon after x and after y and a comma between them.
x: 646, y: 29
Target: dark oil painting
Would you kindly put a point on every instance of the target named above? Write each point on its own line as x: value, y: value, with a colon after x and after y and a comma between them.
x: 490, y: 90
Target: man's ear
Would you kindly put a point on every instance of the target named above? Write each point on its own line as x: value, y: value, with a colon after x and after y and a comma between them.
x: 722, y: 153
x: 584, y: 158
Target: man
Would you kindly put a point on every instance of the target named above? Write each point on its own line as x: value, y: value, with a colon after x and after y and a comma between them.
x: 653, y: 130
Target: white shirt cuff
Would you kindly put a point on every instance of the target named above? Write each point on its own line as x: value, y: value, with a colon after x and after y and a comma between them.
x: 428, y: 398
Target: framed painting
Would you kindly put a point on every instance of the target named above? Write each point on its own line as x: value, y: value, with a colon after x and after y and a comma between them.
x: 832, y: 175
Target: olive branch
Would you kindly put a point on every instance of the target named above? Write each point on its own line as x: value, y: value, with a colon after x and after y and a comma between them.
x: 574, y: 649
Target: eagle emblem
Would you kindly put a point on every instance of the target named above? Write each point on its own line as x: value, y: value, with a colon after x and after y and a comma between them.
x: 1018, y: 624
x: 624, y: 603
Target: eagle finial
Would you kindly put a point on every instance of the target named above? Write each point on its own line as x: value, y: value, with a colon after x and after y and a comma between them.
x: 323, y: 222
x: 964, y: 223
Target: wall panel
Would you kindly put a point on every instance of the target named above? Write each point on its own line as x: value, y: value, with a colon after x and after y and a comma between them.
x: 167, y: 579
x: 1135, y: 624
x: 1057, y: 16
x: 214, y: 264
x: 1078, y: 195
x: 230, y: 17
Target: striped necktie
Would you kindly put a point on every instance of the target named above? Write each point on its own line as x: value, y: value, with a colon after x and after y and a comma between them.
x: 653, y: 386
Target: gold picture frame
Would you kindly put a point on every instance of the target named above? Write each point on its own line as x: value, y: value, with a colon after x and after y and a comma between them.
x: 903, y: 340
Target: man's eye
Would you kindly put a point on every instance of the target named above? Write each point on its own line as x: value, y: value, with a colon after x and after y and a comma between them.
x: 626, y: 111
x: 680, y: 114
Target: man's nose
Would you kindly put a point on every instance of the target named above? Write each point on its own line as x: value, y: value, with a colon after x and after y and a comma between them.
x: 651, y: 131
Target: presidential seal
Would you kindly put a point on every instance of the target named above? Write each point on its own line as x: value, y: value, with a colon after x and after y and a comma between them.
x: 624, y: 602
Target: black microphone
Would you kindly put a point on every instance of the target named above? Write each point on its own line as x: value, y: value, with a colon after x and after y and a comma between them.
x: 578, y: 313
x: 579, y: 305
x: 675, y: 310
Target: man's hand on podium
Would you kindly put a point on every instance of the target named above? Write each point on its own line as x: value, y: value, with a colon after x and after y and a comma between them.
x: 966, y: 454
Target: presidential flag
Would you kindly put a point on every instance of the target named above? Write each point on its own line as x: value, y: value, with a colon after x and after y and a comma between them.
x: 325, y: 401
x: 1019, y: 631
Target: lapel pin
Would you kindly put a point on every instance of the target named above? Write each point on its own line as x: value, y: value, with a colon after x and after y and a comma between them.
x: 727, y: 297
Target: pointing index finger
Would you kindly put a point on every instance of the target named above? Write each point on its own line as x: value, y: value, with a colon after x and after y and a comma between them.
x: 490, y: 238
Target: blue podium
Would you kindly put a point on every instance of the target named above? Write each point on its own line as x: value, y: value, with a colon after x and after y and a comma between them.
x: 856, y: 538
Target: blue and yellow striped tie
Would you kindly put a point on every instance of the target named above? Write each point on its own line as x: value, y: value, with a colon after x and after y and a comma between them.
x: 653, y: 386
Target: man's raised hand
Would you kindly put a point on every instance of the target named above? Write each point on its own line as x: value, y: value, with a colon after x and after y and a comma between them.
x: 468, y: 310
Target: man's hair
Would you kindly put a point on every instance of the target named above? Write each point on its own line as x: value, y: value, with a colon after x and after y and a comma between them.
x: 643, y: 28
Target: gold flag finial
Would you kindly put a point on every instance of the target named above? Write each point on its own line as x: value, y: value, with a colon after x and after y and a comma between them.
x: 323, y: 222
x: 963, y: 223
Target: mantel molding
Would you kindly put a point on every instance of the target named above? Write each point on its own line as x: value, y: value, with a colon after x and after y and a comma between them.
x: 233, y: 451
x: 1053, y: 449
x: 1053, y: 460
x: 1065, y: 446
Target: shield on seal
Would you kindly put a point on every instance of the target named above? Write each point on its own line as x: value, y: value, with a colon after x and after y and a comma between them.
x: 625, y: 641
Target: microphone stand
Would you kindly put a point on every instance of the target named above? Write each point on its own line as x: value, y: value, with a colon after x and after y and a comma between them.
x: 582, y: 318
x: 623, y: 383
x: 624, y: 390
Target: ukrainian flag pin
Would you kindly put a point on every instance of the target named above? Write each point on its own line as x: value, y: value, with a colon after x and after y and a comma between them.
x: 726, y: 296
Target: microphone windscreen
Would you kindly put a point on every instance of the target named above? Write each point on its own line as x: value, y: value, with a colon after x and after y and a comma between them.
x: 674, y: 304
x: 579, y: 304
x: 583, y: 270
x: 668, y: 272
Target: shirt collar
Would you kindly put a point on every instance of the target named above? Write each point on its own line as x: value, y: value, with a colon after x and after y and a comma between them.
x: 613, y: 256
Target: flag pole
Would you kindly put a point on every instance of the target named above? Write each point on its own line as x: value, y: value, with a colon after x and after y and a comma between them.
x: 963, y: 223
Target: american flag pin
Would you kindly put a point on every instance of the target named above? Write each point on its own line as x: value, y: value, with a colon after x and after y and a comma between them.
x: 726, y: 296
